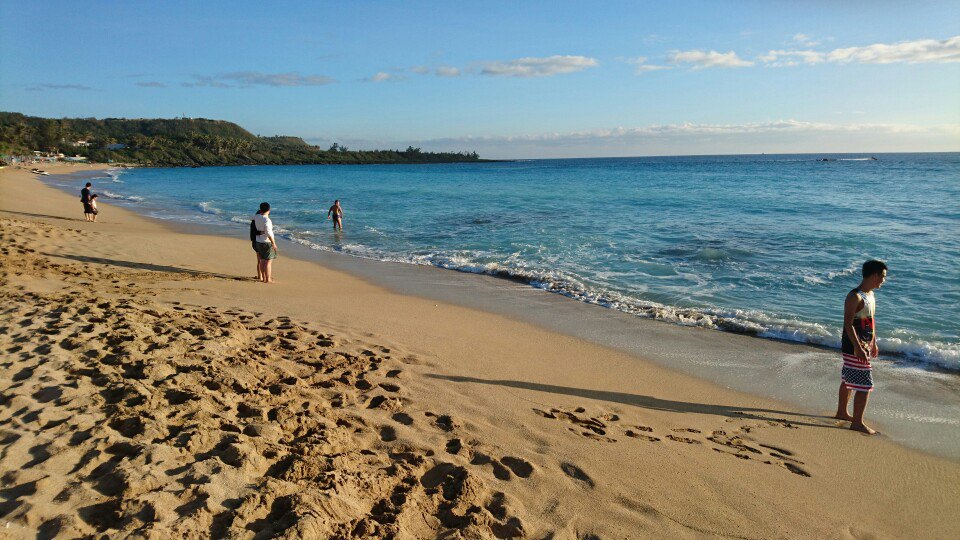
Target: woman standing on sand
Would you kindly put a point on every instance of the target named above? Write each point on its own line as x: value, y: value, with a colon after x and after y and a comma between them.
x: 337, y: 213
x: 266, y: 244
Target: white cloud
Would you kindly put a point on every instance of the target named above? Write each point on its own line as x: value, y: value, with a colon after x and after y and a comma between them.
x: 380, y: 77
x: 538, y: 67
x: 784, y: 58
x: 643, y: 67
x: 707, y: 59
x: 805, y: 40
x: 151, y: 84
x: 448, y: 71
x: 909, y: 52
x: 420, y: 70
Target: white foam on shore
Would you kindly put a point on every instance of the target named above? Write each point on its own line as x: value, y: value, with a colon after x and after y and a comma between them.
x: 751, y: 322
x: 207, y: 207
x: 111, y: 195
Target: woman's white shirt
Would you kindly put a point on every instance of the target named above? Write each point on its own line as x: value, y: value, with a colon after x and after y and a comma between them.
x: 264, y: 225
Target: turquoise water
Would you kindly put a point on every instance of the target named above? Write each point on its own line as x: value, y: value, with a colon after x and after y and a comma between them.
x: 767, y: 245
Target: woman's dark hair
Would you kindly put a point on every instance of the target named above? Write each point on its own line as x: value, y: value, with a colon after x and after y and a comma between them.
x: 264, y: 207
x: 873, y: 267
x: 89, y: 184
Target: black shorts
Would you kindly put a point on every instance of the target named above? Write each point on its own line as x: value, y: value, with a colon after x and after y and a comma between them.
x: 88, y: 209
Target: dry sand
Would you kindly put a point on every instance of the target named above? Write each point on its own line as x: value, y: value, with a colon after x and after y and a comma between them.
x: 152, y: 388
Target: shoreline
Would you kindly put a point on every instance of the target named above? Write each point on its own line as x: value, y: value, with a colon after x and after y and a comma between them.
x: 811, y: 324
x: 919, y: 402
x: 483, y: 377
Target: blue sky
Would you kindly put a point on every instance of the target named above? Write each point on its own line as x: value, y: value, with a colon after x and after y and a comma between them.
x: 508, y: 79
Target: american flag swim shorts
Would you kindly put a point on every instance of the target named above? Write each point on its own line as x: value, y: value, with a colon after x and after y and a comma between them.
x: 856, y: 374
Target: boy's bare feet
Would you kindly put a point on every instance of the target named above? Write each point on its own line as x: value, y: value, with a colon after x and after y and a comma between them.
x: 862, y: 428
x: 843, y: 416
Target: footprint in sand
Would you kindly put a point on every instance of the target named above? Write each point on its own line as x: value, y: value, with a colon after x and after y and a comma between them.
x: 388, y: 434
x: 520, y: 467
x: 403, y: 418
x: 443, y: 421
x: 687, y: 440
x: 637, y: 435
x: 499, y: 471
x: 577, y: 474
x: 595, y: 428
x: 454, y: 446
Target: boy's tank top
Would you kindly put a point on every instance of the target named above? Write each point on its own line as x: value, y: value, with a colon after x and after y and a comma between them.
x: 862, y: 324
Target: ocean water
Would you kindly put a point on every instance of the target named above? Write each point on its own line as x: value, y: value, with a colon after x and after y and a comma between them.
x: 766, y: 245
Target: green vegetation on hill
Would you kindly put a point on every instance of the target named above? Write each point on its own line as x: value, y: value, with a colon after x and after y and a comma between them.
x: 187, y: 142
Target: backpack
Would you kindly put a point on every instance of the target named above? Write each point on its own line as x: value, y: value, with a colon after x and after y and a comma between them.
x: 253, y: 231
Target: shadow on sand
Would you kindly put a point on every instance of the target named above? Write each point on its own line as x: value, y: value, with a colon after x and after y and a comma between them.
x: 148, y: 267
x: 48, y: 216
x: 649, y: 402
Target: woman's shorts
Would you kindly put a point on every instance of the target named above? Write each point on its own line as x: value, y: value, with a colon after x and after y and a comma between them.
x: 265, y: 250
x: 88, y: 208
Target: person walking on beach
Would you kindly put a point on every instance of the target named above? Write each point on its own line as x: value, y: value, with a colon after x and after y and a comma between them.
x: 858, y: 345
x: 337, y: 212
x: 85, y: 199
x: 266, y: 244
x: 93, y: 207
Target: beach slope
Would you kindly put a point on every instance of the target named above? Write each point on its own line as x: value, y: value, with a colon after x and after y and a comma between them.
x: 152, y: 388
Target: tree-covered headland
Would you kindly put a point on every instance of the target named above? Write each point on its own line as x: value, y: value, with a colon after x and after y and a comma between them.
x: 186, y: 142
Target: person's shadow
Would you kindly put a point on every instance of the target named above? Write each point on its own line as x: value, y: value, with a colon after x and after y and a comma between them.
x: 48, y: 216
x: 647, y: 402
x: 147, y: 266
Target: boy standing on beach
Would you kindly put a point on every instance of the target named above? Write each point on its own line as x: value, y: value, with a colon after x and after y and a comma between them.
x: 858, y: 345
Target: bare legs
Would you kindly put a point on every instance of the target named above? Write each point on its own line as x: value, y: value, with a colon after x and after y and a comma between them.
x: 265, y: 271
x: 259, y: 270
x: 842, y: 404
x: 337, y: 224
x: 859, y: 406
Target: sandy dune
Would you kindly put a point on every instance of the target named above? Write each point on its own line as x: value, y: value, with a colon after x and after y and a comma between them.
x: 151, y: 389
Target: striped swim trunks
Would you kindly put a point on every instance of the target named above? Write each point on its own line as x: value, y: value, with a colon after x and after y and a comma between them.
x: 856, y: 374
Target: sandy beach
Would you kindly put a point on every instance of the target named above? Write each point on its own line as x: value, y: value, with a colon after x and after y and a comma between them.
x: 153, y: 389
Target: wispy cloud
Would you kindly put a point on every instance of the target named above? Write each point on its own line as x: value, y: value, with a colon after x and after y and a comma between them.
x: 805, y: 40
x: 246, y: 79
x: 688, y: 128
x: 778, y: 136
x: 699, y: 59
x: 380, y: 76
x: 641, y: 66
x: 50, y: 86
x: 151, y: 84
x: 420, y: 70
x: 447, y: 71
x: 538, y: 67
x: 908, y: 52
